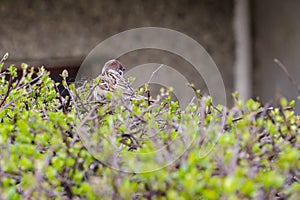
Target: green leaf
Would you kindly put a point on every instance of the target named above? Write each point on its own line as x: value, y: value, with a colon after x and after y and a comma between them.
x: 28, y: 181
x: 25, y: 163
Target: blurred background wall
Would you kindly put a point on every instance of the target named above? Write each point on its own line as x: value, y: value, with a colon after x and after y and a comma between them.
x: 60, y: 34
x: 276, y: 32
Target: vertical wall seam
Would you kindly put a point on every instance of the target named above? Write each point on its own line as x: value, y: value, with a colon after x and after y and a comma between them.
x: 243, y: 49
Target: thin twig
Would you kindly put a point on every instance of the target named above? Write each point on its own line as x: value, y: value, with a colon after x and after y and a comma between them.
x: 154, y: 73
x: 292, y: 80
x: 31, y: 82
x: 45, y: 112
x: 39, y: 175
x: 131, y: 111
x: 8, y: 91
x: 59, y: 98
x: 73, y: 99
x: 14, y: 100
x: 22, y: 78
x: 89, y: 116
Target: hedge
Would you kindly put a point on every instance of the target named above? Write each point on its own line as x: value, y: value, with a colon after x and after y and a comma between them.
x: 249, y: 151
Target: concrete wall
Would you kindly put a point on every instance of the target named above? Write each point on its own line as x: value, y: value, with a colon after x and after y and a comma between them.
x: 62, y: 33
x: 277, y: 35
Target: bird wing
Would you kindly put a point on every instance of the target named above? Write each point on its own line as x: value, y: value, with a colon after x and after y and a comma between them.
x: 110, y: 82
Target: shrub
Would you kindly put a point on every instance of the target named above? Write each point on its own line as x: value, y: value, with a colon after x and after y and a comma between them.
x: 250, y: 151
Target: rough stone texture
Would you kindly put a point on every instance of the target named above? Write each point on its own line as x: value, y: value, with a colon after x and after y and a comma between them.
x: 62, y: 33
x: 277, y: 35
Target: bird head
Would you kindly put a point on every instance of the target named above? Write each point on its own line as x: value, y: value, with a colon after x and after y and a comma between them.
x: 113, y: 66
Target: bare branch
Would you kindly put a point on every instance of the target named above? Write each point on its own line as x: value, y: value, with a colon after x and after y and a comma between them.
x: 8, y: 91
x: 292, y: 80
x: 154, y: 73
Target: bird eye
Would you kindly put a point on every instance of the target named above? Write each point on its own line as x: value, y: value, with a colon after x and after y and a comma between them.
x: 121, y: 72
x: 122, y: 68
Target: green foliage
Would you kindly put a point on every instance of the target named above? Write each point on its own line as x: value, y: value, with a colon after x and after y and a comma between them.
x: 247, y: 152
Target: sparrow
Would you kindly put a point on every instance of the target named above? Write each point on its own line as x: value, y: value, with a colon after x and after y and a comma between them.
x: 111, y: 79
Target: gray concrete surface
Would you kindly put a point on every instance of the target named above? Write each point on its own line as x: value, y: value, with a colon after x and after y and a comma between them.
x: 62, y: 33
x: 277, y: 35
